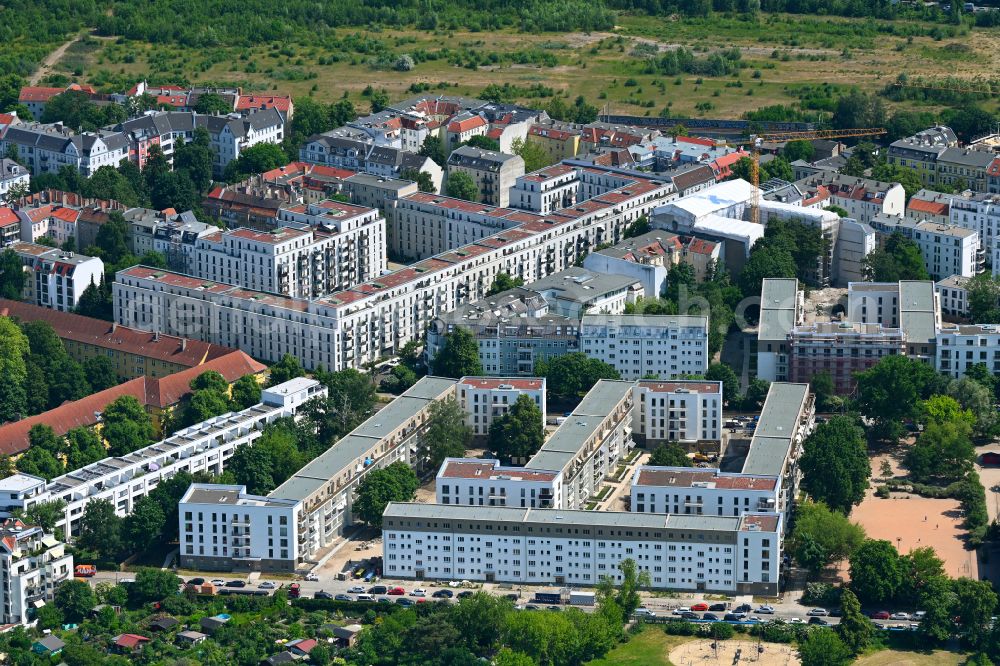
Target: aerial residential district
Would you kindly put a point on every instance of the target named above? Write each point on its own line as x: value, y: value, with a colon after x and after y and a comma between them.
x: 307, y: 357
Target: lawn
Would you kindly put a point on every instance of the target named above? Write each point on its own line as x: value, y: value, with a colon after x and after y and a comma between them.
x: 649, y: 648
x: 782, y: 52
x: 899, y: 658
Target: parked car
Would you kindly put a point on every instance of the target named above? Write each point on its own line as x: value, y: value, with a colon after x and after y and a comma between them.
x: 642, y: 611
x: 396, y: 591
x: 322, y: 595
x: 218, y: 582
x: 765, y: 610
x: 465, y: 594
x: 443, y: 594
x: 532, y: 607
x: 690, y: 615
x: 196, y: 581
x: 404, y: 601
x: 878, y: 625
x: 796, y: 620
x: 554, y: 608
x: 513, y: 596
x: 378, y: 589
x: 343, y: 597
x: 919, y: 615
x: 815, y: 619
x: 384, y: 600
x: 818, y: 612
x: 236, y: 583
x: 267, y: 585
x: 836, y: 612
x: 900, y: 616
x: 680, y: 611
x: 717, y: 607
x: 880, y: 615
x: 701, y: 606
x: 733, y: 617
x: 366, y: 597
x: 743, y: 608
x: 312, y: 577
x: 356, y: 589
x: 711, y: 617
x: 419, y: 592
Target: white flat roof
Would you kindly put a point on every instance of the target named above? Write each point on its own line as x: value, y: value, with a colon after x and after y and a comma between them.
x: 714, y: 198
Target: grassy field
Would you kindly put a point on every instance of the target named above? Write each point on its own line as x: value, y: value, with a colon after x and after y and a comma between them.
x: 649, y: 648
x: 898, y: 658
x: 782, y: 53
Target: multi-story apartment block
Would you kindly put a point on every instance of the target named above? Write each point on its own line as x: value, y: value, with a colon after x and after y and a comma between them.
x: 559, y: 143
x: 222, y: 528
x: 352, y: 327
x: 463, y: 127
x: 862, y: 198
x: 326, y: 246
x: 349, y: 148
x: 485, y: 399
x: 132, y: 353
x: 961, y: 346
x: 173, y: 235
x: 637, y: 346
x: 965, y: 168
x: 575, y: 292
x: 873, y: 303
x: 54, y: 222
x: 32, y: 564
x: 493, y: 173
x: 953, y: 294
x: 203, y: 447
x: 840, y: 349
x: 781, y: 310
x: 56, y: 279
x: 921, y: 151
x: 48, y: 148
x: 687, y: 412
x: 478, y: 482
x: 930, y: 206
x: 590, y: 442
x: 10, y: 226
x: 993, y: 177
x: 547, y: 190
x: 12, y: 176
x: 702, y: 492
x: 979, y: 213
x: 545, y: 546
x: 946, y: 249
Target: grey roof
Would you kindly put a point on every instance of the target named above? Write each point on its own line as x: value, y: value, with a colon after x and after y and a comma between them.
x: 564, y: 517
x: 636, y: 243
x: 773, y: 439
x: 778, y: 299
x: 477, y: 158
x: 917, y: 315
x: 691, y: 176
x: 38, y: 136
x: 582, y: 285
x: 661, y: 321
x: 977, y: 159
x: 51, y: 643
x: 954, y: 282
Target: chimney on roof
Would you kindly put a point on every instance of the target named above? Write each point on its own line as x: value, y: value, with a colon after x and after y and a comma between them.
x: 156, y: 336
x: 114, y: 326
x: 184, y: 344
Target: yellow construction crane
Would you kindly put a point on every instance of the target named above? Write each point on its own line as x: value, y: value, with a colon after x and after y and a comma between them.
x: 756, y: 140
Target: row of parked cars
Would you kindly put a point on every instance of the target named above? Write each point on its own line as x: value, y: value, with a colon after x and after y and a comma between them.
x: 370, y: 594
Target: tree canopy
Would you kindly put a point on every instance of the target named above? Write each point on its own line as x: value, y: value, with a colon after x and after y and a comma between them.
x: 899, y: 259
x: 461, y: 186
x: 570, y: 376
x: 821, y: 536
x: 395, y: 483
x: 447, y: 436
x: 835, y: 465
x: 519, y: 433
x: 458, y: 356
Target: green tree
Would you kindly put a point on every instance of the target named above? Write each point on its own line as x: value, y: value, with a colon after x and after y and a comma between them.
x: 379, y: 100
x: 40, y: 462
x: 876, y: 572
x: 756, y: 394
x: 153, y: 585
x: 570, y: 376
x: 670, y: 455
x: 433, y: 147
x: 44, y: 437
x: 49, y: 617
x: 822, y: 387
x: 447, y: 436
x: 96, y: 301
x: 519, y: 433
x: 975, y: 604
x: 937, y: 599
x: 458, y: 356
x: 44, y: 514
x: 461, y: 186
x: 12, y: 275
x: 395, y: 483
x: 822, y: 536
x: 626, y: 593
x: 858, y: 109
x: 351, y: 395
x: 920, y: 567
x: 144, y: 526
x: 205, y: 404
x: 83, y: 447
x: 483, y: 142
x: 75, y: 599
x: 480, y: 619
x: 890, y: 391
x: 984, y: 299
x: 258, y: 158
x: 246, y: 392
x: 100, y: 529
x: 722, y: 372
x: 112, y: 238
x: 638, y: 228
x: 800, y: 149
x: 976, y: 399
x: 835, y: 464
x: 100, y: 372
x: 284, y: 370
x: 766, y: 262
x: 212, y: 103
x: 252, y: 466
x: 899, y: 259
x: 126, y: 426
x: 195, y: 157
x: 424, y: 181
x: 503, y: 282
x: 13, y: 351
x: 534, y: 155
x: 823, y: 647
x: 943, y: 451
x: 854, y: 628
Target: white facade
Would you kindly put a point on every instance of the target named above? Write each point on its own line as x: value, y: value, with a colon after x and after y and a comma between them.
x: 487, y: 398
x: 679, y: 411
x: 637, y: 346
x: 703, y: 492
x: 873, y: 303
x: 12, y: 175
x: 48, y: 148
x: 954, y: 296
x: 959, y: 347
x: 32, y: 564
x: 980, y: 213
x: 558, y: 546
x: 862, y: 198
x: 479, y: 482
x: 946, y: 249
x: 223, y: 528
x: 56, y: 279
x: 352, y: 327
x: 547, y: 190
x: 204, y: 447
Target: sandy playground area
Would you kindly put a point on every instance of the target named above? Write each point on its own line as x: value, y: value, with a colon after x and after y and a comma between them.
x: 701, y: 652
x: 911, y: 521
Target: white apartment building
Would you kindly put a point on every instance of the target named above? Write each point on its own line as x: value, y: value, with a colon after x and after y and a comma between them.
x: 487, y: 398
x: 702, y: 492
x: 873, y: 303
x: 355, y: 326
x: 946, y: 249
x: 862, y: 198
x: 204, y: 447
x: 478, y: 482
x: 725, y: 554
x: 547, y: 190
x: 687, y: 412
x: 961, y: 346
x: 953, y: 294
x: 980, y: 213
x: 12, y: 175
x: 590, y: 442
x: 637, y: 346
x: 223, y: 528
x: 52, y: 221
x: 32, y: 564
x: 48, y: 148
x: 575, y: 292
x: 56, y: 278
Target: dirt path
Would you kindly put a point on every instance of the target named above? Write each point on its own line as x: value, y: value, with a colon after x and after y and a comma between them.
x: 50, y: 61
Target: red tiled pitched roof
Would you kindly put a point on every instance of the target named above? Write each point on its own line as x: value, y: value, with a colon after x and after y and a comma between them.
x: 169, y: 390
x: 8, y: 216
x: 458, y: 126
x: 994, y: 168
x: 130, y: 641
x: 931, y: 207
x: 279, y: 102
x: 38, y: 94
